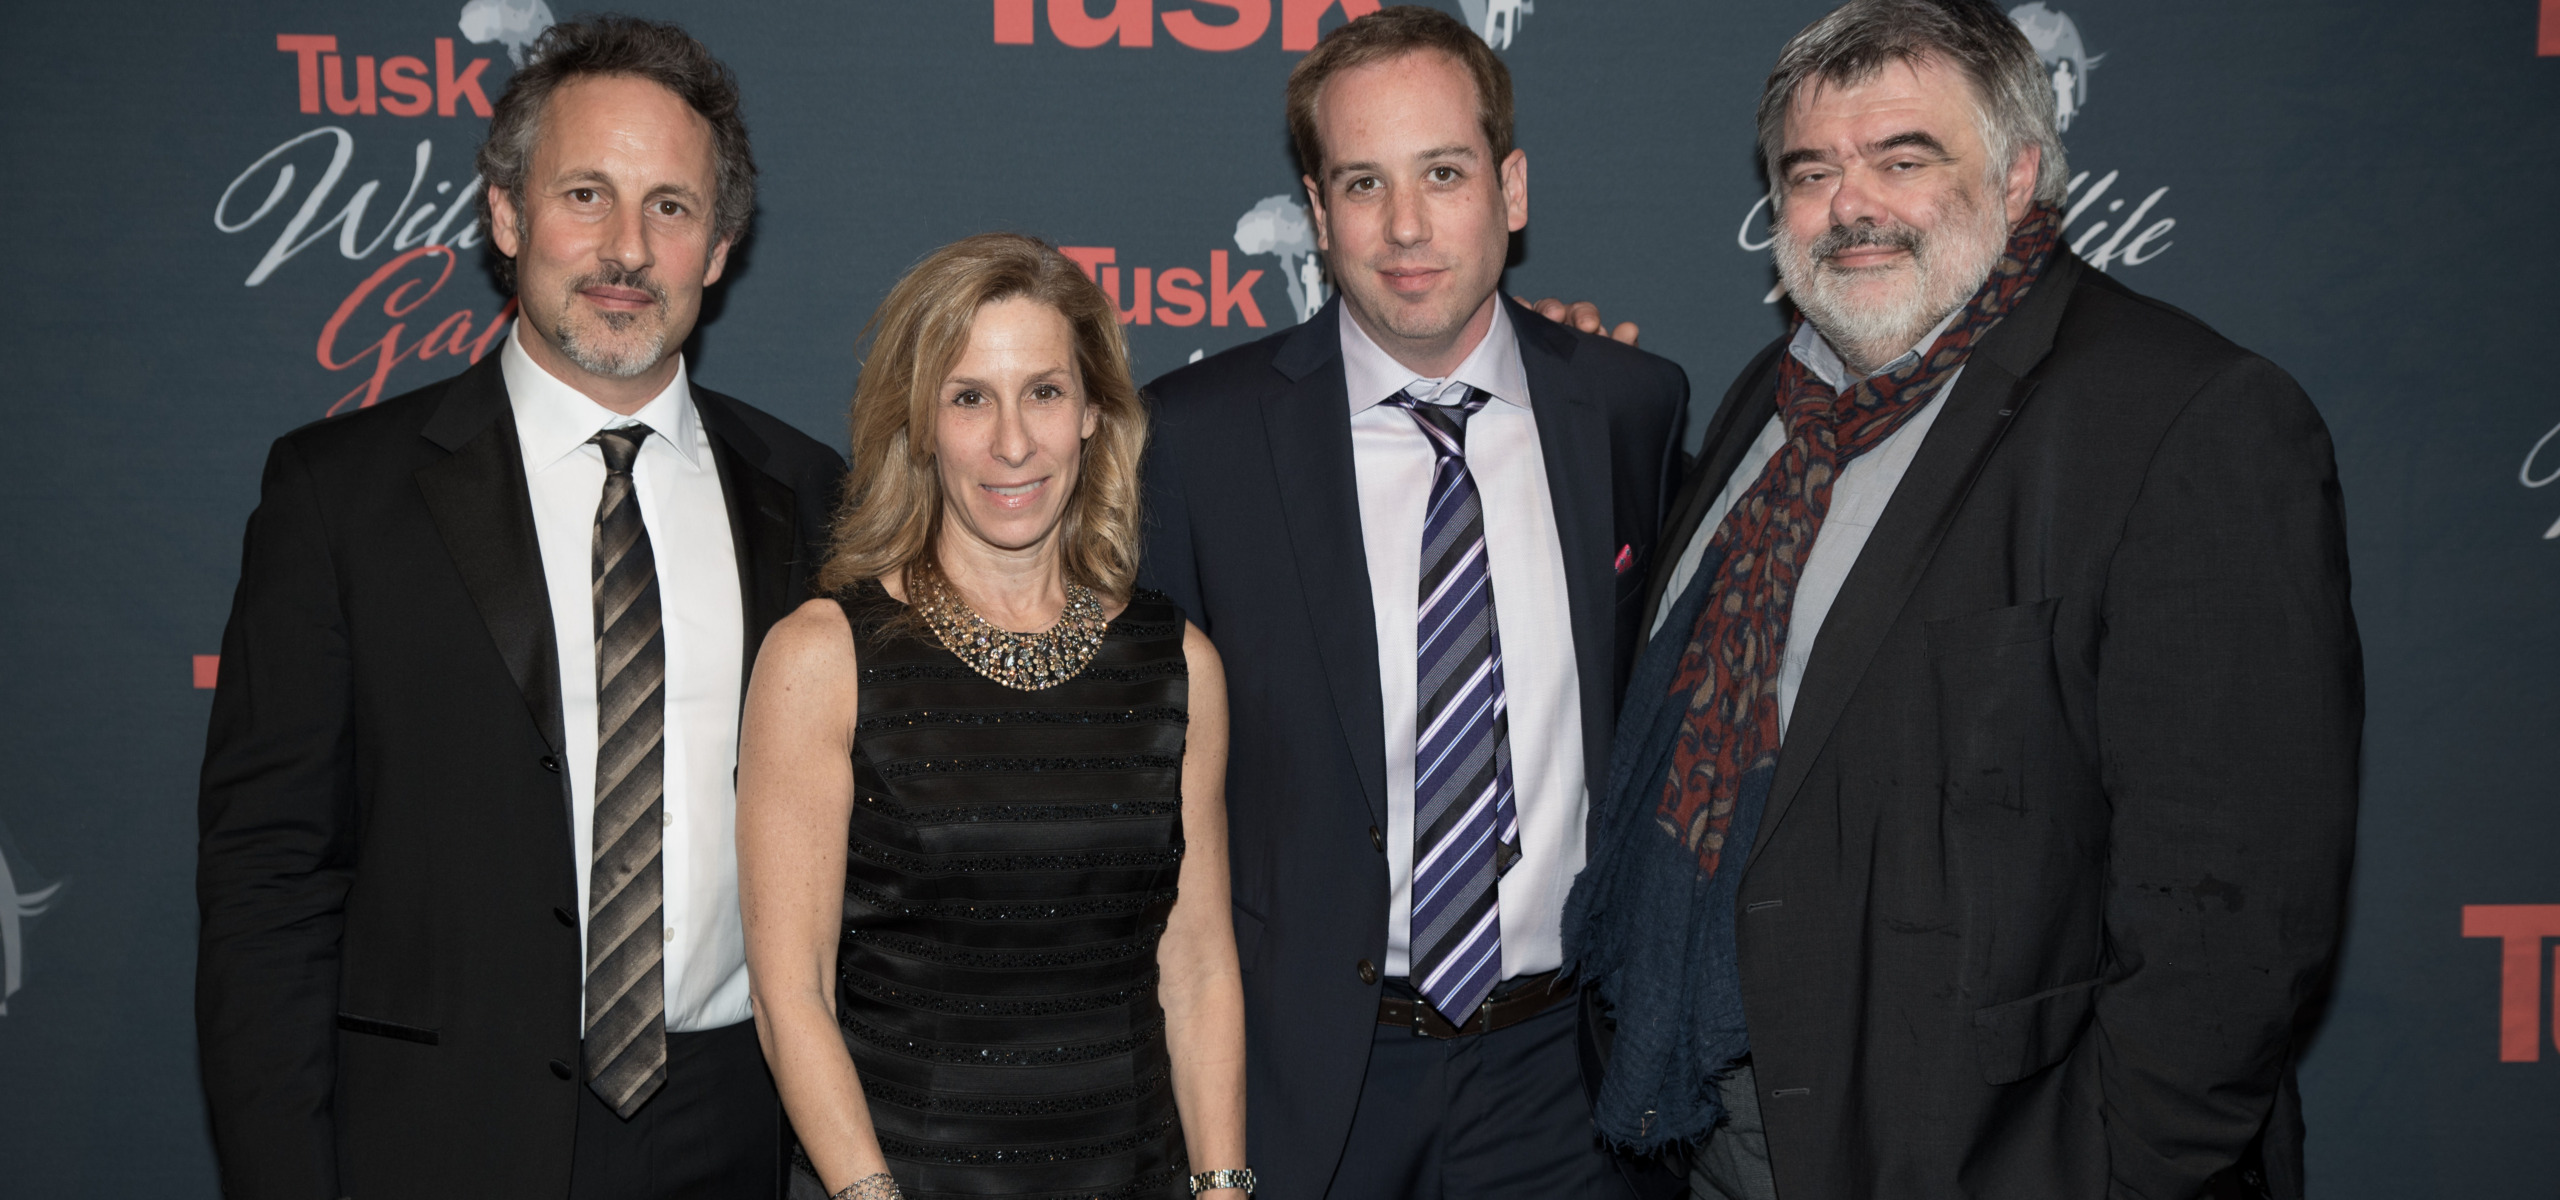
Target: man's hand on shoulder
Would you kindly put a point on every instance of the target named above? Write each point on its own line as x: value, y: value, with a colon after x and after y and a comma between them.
x: 1582, y: 315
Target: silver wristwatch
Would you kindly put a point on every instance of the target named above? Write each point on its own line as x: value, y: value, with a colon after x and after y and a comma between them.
x: 1210, y: 1181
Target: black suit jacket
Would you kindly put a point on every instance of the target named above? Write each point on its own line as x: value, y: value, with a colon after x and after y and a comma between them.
x: 1254, y: 528
x: 2060, y: 831
x: 388, y: 975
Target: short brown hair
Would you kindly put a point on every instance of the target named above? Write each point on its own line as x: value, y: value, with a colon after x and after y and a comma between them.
x: 1388, y: 33
x: 657, y: 51
x: 892, y: 508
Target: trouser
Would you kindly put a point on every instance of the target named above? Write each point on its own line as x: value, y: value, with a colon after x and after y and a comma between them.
x: 1478, y: 1117
x: 713, y: 1130
x: 1733, y: 1163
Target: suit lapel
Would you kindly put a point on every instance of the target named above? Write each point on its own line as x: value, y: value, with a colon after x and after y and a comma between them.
x: 1573, y: 438
x: 1309, y: 427
x: 1978, y: 410
x: 484, y: 515
x: 761, y: 534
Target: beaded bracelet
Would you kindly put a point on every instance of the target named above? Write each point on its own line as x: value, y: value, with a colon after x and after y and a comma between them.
x: 870, y: 1187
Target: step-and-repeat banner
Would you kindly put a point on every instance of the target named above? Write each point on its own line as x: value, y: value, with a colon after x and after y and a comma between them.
x: 227, y: 220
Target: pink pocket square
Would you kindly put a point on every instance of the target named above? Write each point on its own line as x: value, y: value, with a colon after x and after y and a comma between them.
x: 1626, y: 558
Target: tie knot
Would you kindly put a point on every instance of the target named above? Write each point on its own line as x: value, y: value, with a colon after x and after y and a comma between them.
x: 1444, y: 419
x: 621, y: 444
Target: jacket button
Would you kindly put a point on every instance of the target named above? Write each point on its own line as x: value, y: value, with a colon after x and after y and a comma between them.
x: 560, y: 1068
x: 1368, y: 971
x: 551, y: 763
x: 1377, y: 839
x: 563, y: 915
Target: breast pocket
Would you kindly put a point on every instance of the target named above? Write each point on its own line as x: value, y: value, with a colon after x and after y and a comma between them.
x: 1626, y: 588
x: 2016, y: 625
x: 1996, y: 690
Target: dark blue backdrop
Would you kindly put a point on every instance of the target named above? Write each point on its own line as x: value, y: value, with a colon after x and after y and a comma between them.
x: 2357, y: 188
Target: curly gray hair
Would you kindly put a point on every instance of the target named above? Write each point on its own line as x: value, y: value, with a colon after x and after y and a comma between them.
x: 1858, y: 39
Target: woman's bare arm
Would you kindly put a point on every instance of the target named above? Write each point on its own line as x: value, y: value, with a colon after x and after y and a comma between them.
x: 1202, y: 991
x: 795, y: 796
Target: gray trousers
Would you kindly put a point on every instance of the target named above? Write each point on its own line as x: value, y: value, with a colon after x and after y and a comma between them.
x: 1733, y: 1164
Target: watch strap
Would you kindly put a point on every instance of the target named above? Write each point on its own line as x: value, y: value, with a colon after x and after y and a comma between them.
x: 1233, y: 1177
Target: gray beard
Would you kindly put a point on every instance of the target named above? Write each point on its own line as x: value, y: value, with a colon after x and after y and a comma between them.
x: 1946, y: 268
x: 597, y: 351
x: 622, y: 360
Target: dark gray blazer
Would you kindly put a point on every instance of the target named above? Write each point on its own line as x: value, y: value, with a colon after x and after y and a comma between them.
x: 2058, y: 844
x: 387, y: 965
x: 1253, y: 527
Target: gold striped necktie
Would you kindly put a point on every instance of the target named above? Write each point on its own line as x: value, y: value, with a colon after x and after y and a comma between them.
x: 626, y: 1029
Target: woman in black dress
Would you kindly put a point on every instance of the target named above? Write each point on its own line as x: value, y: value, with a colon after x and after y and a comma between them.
x: 984, y: 870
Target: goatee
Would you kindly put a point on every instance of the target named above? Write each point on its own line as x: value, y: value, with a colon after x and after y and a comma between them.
x: 615, y: 350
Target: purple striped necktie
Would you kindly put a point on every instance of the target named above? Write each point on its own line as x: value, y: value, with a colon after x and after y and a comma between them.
x: 1466, y: 827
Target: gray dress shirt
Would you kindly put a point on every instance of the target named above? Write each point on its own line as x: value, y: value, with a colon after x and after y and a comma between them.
x: 1858, y: 499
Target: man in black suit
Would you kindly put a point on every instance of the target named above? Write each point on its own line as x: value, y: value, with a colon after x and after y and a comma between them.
x: 1415, y: 525
x: 1982, y: 805
x: 466, y: 876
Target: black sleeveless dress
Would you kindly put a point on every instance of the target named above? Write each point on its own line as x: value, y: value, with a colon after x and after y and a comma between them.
x: 1012, y: 859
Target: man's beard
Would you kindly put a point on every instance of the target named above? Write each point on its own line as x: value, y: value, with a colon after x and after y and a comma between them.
x: 600, y: 351
x: 1946, y: 267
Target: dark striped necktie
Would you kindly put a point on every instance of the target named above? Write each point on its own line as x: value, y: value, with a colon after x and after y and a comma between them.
x: 1466, y: 828
x: 626, y: 1028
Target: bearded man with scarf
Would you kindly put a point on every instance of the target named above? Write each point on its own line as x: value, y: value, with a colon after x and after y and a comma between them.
x: 1980, y: 814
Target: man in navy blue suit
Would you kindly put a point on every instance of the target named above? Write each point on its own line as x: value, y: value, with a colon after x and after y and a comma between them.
x: 1418, y: 527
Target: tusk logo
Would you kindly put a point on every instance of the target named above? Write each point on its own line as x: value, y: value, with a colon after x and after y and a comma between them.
x: 513, y: 23
x: 1497, y: 21
x: 2067, y: 60
x: 15, y: 908
x: 1278, y: 226
x: 1132, y: 23
x: 1239, y: 23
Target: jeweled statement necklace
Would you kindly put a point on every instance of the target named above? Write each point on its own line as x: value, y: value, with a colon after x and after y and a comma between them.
x: 1026, y: 662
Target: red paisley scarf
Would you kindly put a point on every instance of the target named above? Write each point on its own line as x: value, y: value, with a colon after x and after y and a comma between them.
x: 1729, y: 674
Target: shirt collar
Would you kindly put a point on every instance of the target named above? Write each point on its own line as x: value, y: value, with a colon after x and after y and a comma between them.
x: 1815, y: 352
x: 554, y: 419
x: 1493, y: 367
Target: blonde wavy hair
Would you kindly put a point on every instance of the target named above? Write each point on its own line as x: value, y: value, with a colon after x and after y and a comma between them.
x: 892, y: 507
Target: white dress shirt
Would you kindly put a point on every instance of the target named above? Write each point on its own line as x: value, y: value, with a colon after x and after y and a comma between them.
x: 681, y: 504
x: 1858, y: 499
x: 1393, y: 462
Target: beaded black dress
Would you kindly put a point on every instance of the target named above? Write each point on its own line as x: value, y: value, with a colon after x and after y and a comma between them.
x: 1012, y: 859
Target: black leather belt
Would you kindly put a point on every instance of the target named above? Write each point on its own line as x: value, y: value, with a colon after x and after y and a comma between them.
x: 1527, y: 996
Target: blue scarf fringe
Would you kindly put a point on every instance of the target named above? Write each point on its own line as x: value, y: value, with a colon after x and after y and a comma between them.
x: 1654, y: 932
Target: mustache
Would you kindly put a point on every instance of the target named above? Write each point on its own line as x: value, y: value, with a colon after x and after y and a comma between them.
x: 1861, y: 236
x: 614, y: 275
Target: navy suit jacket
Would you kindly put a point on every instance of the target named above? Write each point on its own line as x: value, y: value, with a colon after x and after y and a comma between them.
x: 1253, y: 527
